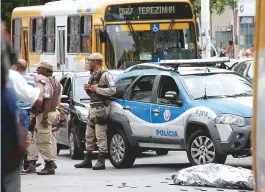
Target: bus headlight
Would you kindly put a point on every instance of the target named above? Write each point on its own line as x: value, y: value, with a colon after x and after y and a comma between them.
x: 231, y: 120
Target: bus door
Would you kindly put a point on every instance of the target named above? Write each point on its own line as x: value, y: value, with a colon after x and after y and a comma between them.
x: 25, y: 44
x: 98, y: 43
x: 61, y: 60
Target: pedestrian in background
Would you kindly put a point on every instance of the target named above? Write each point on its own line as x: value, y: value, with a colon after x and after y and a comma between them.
x: 220, y: 47
x: 230, y: 52
x: 249, y: 53
x: 100, y: 88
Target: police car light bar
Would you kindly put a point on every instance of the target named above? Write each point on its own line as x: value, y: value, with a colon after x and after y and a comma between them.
x: 194, y: 62
x: 148, y: 66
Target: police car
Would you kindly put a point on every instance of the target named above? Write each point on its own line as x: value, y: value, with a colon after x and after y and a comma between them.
x: 188, y: 105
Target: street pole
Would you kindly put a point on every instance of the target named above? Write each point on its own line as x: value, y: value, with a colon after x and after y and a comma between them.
x: 205, y: 22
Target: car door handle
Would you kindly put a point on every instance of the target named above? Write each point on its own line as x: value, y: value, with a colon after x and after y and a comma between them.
x: 155, y: 111
x: 126, y: 107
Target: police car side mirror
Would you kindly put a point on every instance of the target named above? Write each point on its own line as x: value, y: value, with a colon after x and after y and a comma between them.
x: 171, y: 95
x: 64, y: 99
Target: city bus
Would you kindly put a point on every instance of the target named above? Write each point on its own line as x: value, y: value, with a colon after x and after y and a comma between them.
x: 258, y: 122
x: 60, y: 32
x: 126, y: 32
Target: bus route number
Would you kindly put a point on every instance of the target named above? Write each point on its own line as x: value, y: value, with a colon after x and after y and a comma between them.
x: 125, y: 11
x: 200, y: 112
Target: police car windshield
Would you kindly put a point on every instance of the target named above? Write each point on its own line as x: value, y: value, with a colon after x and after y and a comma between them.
x: 79, y: 93
x: 126, y: 47
x: 217, y: 85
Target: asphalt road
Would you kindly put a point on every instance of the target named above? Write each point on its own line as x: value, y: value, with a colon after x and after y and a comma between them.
x: 149, y: 173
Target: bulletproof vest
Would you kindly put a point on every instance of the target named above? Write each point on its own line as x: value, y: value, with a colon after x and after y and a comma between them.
x: 95, y: 79
x: 56, y: 91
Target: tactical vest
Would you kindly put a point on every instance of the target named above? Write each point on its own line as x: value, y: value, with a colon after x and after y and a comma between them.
x: 95, y: 79
x: 56, y: 91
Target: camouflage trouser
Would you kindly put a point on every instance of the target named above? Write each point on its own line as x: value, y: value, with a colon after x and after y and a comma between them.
x: 98, y: 130
x: 44, y: 136
x: 32, y: 146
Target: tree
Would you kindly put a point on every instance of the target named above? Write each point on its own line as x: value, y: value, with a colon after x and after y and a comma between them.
x: 217, y: 6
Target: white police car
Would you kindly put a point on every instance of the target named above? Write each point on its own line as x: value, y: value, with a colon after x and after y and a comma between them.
x: 201, y: 109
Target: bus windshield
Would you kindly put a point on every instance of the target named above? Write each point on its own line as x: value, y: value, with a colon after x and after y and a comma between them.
x: 128, y: 47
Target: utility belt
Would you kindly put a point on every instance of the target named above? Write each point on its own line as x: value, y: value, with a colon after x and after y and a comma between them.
x: 39, y: 109
x: 99, y: 104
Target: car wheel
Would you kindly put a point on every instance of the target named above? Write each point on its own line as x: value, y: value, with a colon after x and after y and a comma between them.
x: 161, y: 152
x: 201, y: 149
x: 121, y: 154
x: 75, y: 152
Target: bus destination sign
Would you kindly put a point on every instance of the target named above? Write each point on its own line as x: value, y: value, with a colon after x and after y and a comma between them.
x: 148, y: 11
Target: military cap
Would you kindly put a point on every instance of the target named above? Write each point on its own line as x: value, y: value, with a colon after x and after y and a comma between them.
x: 95, y: 56
x: 46, y: 65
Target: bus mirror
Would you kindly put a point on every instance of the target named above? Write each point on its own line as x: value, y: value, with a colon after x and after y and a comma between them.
x: 102, y: 36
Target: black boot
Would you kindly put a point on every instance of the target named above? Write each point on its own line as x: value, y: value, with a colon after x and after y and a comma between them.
x: 32, y: 167
x: 25, y: 163
x: 101, y: 162
x: 87, y: 162
x: 54, y: 165
x: 48, y: 169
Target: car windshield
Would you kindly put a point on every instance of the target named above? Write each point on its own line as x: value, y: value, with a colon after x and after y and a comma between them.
x: 217, y: 85
x: 79, y: 92
x: 127, y: 46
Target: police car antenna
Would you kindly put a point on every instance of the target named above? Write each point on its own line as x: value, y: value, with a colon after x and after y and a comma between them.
x: 205, y: 89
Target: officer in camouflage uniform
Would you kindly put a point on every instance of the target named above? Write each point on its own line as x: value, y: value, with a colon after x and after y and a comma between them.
x: 100, y: 88
x: 46, y: 116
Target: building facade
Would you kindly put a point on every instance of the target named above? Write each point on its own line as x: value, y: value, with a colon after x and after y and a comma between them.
x: 246, y: 23
x: 222, y: 27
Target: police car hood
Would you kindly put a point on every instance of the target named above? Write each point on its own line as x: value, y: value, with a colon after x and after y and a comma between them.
x: 241, y: 106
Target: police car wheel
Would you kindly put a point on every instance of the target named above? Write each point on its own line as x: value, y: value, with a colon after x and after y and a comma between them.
x: 201, y: 149
x: 75, y: 152
x: 161, y: 152
x: 121, y: 154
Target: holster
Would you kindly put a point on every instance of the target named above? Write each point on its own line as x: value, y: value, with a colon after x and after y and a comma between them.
x: 98, y: 114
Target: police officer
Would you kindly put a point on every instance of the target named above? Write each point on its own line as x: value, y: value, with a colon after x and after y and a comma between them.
x: 32, y: 139
x: 46, y: 116
x: 100, y: 88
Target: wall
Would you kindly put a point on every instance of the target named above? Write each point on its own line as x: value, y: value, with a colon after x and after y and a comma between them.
x: 221, y: 23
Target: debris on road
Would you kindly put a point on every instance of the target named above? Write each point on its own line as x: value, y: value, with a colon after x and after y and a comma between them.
x: 215, y: 175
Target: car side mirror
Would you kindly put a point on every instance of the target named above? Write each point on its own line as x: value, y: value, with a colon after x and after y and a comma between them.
x: 171, y: 95
x: 64, y: 99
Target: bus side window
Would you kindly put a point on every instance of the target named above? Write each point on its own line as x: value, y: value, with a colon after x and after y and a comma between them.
x: 86, y: 32
x: 16, y: 35
x: 49, y: 37
x: 73, y: 34
x: 36, y: 45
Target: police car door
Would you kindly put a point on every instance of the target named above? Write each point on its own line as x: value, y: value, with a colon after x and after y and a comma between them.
x: 166, y: 112
x: 137, y: 105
